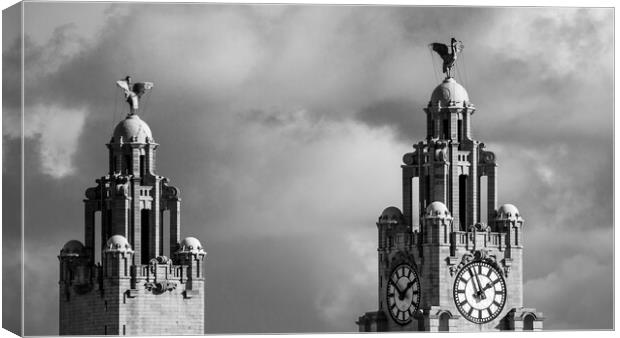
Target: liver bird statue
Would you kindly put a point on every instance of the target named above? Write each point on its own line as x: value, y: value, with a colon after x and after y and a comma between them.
x: 448, y: 55
x: 133, y: 92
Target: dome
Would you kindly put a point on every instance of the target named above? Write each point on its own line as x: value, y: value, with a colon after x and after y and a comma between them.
x: 391, y: 215
x: 508, y: 212
x: 132, y: 129
x: 190, y: 244
x: 117, y: 243
x: 449, y: 94
x: 437, y: 209
x: 72, y: 248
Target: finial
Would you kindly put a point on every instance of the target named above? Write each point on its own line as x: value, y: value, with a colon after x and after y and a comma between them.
x: 133, y: 92
x: 448, y: 56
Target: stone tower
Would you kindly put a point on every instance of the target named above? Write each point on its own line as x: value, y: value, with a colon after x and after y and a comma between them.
x: 445, y: 269
x: 138, y: 288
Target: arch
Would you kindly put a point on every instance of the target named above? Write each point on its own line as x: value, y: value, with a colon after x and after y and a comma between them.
x: 444, y: 322
x: 528, y: 322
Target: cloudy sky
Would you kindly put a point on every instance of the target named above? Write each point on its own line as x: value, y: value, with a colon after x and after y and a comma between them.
x: 284, y: 128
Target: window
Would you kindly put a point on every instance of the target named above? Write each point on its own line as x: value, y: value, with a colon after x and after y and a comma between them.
x: 142, y: 165
x: 463, y: 202
x: 444, y: 322
x: 144, y: 235
x: 528, y: 323
x: 127, y: 164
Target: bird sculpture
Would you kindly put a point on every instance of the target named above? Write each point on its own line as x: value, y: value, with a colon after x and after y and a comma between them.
x: 133, y: 92
x: 448, y: 55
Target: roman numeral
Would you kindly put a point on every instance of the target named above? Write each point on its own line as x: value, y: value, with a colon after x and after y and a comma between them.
x: 471, y: 310
x: 499, y: 292
x: 393, y: 306
x: 402, y: 271
x: 463, y: 280
x: 460, y: 291
x: 480, y: 314
x: 480, y: 269
x: 495, y: 281
x: 490, y: 313
x: 489, y: 273
x: 463, y: 302
x: 496, y: 303
x: 391, y: 294
x: 415, y: 292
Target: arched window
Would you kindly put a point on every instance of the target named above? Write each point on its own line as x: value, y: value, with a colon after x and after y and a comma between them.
x: 444, y: 322
x: 528, y: 323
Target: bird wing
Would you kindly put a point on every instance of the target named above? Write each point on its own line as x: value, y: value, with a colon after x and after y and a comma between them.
x: 123, y: 84
x: 141, y: 87
x: 440, y: 48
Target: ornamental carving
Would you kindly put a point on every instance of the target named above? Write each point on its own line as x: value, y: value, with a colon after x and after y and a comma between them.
x: 168, y: 191
x: 160, y: 287
x: 399, y: 258
x: 477, y: 255
x: 93, y: 193
x: 488, y: 157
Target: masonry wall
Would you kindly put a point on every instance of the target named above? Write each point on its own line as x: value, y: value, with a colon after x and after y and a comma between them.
x: 117, y: 309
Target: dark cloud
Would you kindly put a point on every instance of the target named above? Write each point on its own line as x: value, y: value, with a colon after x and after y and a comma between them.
x: 284, y: 127
x: 398, y: 114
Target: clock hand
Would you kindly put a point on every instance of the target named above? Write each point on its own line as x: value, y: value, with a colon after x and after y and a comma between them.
x: 476, y: 283
x: 409, y: 285
x: 400, y: 293
x: 481, y: 293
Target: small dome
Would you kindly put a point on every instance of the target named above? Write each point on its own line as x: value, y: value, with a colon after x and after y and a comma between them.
x: 449, y: 94
x: 117, y: 243
x: 391, y: 215
x: 72, y: 248
x: 190, y: 244
x: 507, y: 211
x: 437, y: 209
x: 132, y: 129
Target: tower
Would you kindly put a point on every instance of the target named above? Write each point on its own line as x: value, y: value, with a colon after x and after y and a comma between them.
x: 138, y: 288
x: 446, y: 269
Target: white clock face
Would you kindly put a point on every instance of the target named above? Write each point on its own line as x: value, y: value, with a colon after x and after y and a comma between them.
x: 479, y: 292
x: 403, y: 293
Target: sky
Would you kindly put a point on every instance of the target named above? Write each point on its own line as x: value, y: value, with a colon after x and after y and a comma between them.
x: 284, y: 128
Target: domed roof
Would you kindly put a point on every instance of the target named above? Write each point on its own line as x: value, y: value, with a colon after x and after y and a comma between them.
x: 449, y: 94
x: 72, y: 248
x: 132, y: 129
x: 391, y: 215
x: 190, y: 244
x: 508, y: 212
x: 117, y: 243
x: 437, y: 209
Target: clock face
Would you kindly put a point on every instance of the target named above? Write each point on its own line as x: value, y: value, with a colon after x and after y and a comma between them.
x: 479, y: 292
x: 403, y: 293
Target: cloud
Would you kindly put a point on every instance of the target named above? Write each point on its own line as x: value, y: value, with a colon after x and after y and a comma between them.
x: 590, y: 287
x: 284, y: 127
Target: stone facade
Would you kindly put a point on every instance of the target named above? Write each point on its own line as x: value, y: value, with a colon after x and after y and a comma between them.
x: 138, y: 288
x: 449, y: 238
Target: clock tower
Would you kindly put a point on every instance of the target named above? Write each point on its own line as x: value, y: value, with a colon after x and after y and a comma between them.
x: 148, y: 280
x: 448, y: 268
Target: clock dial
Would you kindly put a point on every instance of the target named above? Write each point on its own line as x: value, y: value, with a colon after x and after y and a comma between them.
x: 479, y: 292
x: 403, y: 293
